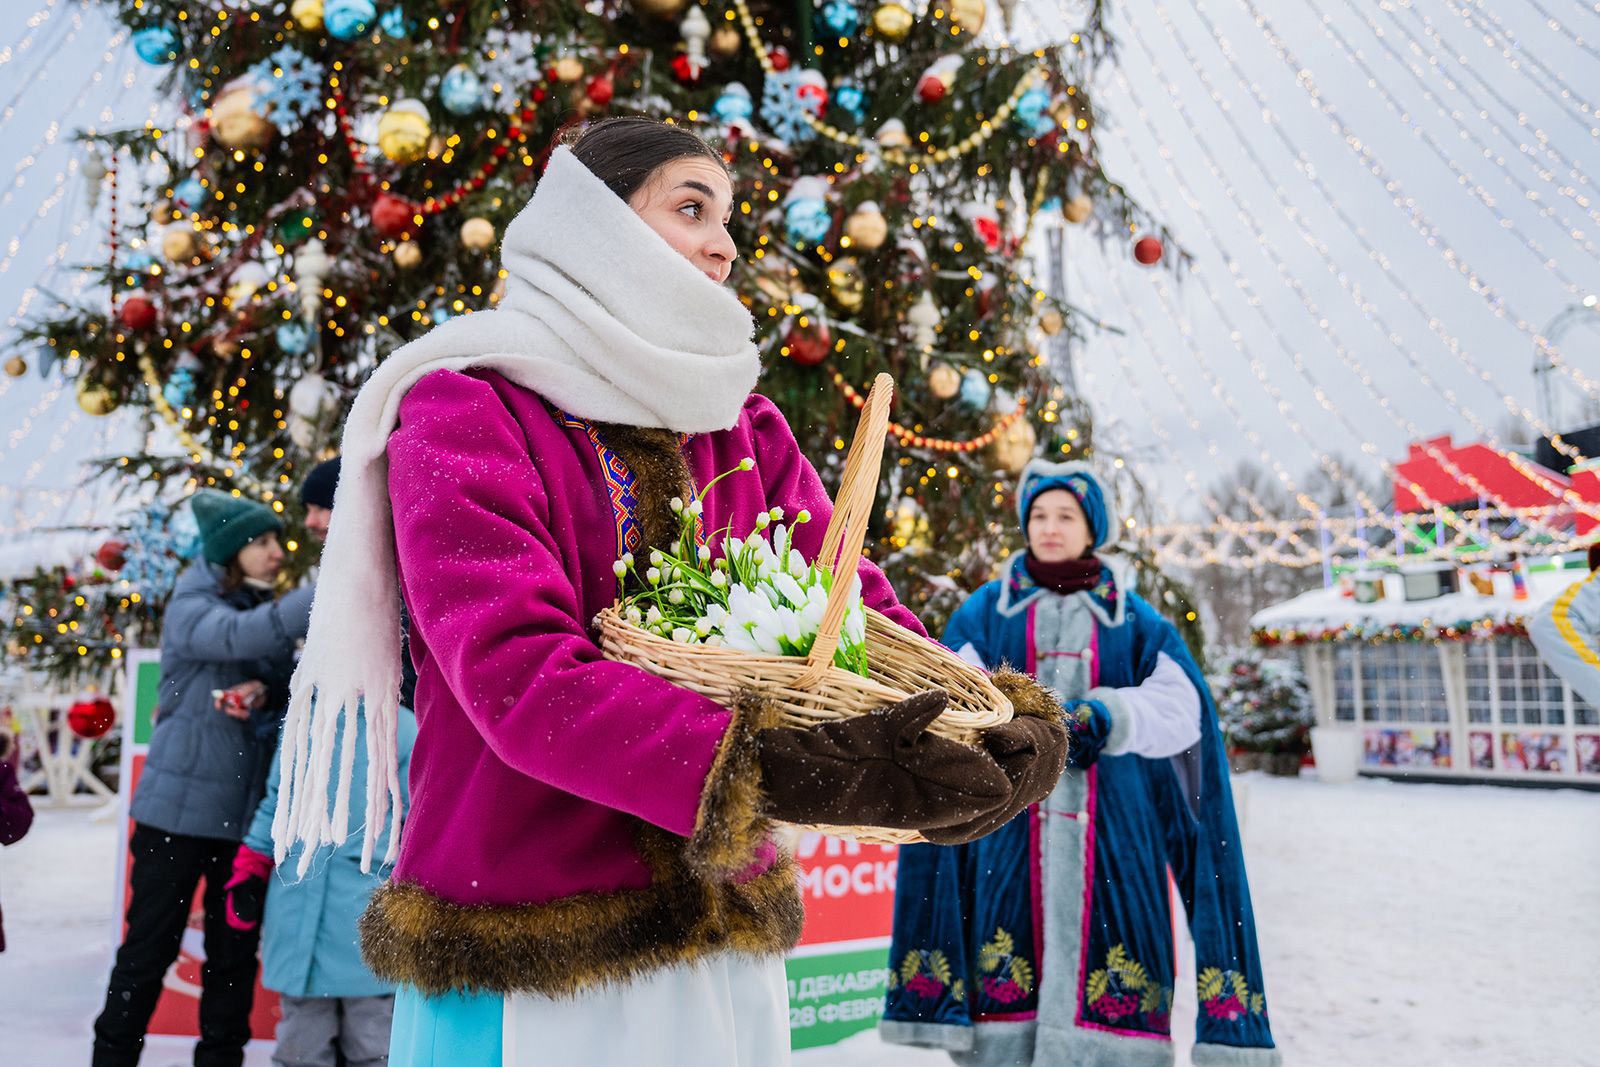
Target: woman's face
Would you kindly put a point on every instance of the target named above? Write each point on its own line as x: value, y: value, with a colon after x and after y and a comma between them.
x: 1057, y: 528
x: 262, y: 558
x: 689, y: 202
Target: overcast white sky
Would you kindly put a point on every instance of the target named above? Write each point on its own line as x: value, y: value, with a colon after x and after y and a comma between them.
x: 1434, y: 193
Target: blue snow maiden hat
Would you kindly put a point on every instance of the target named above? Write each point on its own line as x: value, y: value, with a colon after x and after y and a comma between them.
x: 1077, y: 478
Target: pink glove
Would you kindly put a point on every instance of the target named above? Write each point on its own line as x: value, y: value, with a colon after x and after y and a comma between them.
x: 246, y: 891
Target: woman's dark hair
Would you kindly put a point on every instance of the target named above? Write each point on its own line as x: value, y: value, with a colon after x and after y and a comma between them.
x: 624, y: 152
x: 233, y: 575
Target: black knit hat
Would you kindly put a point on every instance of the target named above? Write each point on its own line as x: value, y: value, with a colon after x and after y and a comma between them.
x: 320, y: 483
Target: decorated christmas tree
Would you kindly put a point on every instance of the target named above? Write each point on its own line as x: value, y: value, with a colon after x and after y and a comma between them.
x: 336, y: 173
x: 1265, y: 709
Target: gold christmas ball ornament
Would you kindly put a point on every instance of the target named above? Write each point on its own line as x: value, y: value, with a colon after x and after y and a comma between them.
x: 95, y: 399
x: 1051, y: 322
x: 944, y: 381
x: 846, y: 286
x: 568, y: 69
x: 866, y: 227
x: 404, y: 131
x: 478, y: 234
x: 892, y: 21
x: 1077, y: 209
x: 235, y: 122
x: 407, y: 254
x: 725, y: 40
x: 968, y: 15
x: 1014, y: 447
x: 16, y: 367
x: 178, y: 244
x: 498, y: 293
x: 661, y: 9
x: 1063, y: 111
x: 307, y: 14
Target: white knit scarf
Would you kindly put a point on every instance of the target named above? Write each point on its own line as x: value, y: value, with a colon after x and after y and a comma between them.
x: 601, y: 317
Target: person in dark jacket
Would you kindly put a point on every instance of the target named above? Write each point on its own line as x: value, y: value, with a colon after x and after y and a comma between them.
x: 227, y: 651
x: 16, y: 814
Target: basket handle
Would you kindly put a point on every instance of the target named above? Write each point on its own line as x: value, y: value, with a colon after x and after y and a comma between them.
x: 847, y: 530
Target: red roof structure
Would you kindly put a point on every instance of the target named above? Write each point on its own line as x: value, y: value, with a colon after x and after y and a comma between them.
x: 1485, y: 474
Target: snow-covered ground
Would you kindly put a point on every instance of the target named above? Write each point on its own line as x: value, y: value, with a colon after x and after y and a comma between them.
x: 1414, y: 924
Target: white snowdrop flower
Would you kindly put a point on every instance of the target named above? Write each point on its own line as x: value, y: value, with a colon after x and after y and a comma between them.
x: 634, y: 614
x: 789, y: 625
x: 702, y: 626
x: 790, y: 589
x: 704, y: 554
x: 697, y: 508
x: 714, y: 641
x: 627, y: 559
x: 619, y: 568
x: 803, y: 517
x: 677, y: 505
x: 653, y: 575
x: 747, y: 463
x: 763, y: 520
x: 676, y: 596
x: 797, y: 563
x: 682, y: 634
x: 719, y: 579
x: 653, y: 618
x: 732, y: 547
x: 656, y: 558
x: 716, y: 614
x: 776, y: 513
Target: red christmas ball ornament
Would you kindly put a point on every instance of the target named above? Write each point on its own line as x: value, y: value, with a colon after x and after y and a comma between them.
x: 684, y: 71
x: 393, y: 216
x: 600, y: 90
x: 779, y: 58
x: 112, y: 555
x: 1148, y: 250
x: 137, y: 313
x: 931, y: 90
x: 809, y: 345
x: 90, y: 719
x: 68, y: 583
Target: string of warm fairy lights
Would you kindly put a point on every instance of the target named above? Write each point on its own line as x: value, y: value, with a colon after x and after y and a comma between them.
x: 908, y: 436
x: 1247, y: 219
x: 1438, y: 54
x: 1376, y: 256
x: 987, y: 125
x: 1406, y: 204
x: 1449, y: 159
x: 1506, y: 43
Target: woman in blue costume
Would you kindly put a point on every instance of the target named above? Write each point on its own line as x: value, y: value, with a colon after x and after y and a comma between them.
x: 1049, y: 943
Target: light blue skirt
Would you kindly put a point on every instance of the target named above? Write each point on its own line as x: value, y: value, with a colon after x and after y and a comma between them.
x: 455, y: 1030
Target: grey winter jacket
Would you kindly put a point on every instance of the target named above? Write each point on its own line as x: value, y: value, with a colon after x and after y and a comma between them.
x: 206, y: 771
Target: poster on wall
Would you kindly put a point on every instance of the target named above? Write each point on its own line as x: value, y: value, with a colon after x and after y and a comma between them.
x: 1407, y: 748
x: 1525, y: 751
x: 1588, y: 753
x: 178, y: 1011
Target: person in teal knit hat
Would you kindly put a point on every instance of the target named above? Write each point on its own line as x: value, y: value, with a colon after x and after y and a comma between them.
x: 227, y: 651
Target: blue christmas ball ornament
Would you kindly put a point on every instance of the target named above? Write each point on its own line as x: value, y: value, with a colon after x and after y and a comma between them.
x: 441, y: 314
x: 348, y: 19
x: 807, y: 219
x: 179, y: 390
x: 852, y: 100
x: 293, y: 338
x: 138, y: 261
x: 1032, y: 112
x: 840, y: 18
x: 394, y: 24
x: 733, y: 105
x: 156, y: 44
x: 975, y: 389
x: 188, y: 195
x: 461, y: 91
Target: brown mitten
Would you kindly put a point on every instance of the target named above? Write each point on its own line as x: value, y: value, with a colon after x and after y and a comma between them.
x: 881, y: 769
x: 1032, y: 752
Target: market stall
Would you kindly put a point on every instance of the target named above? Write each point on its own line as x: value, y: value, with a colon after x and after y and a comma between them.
x: 1436, y: 669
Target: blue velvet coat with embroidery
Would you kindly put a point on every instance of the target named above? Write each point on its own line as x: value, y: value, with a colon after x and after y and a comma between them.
x: 969, y: 923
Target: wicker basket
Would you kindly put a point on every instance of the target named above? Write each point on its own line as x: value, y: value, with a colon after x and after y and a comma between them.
x: 812, y: 689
